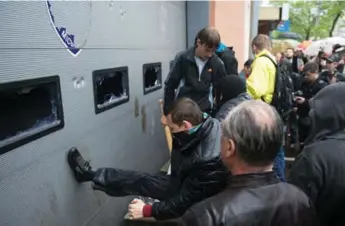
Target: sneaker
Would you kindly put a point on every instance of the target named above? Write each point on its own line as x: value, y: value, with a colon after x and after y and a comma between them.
x: 80, y: 167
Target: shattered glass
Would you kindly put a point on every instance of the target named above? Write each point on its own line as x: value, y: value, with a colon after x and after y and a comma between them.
x: 152, y: 81
x: 111, y: 88
x: 22, y: 103
x: 110, y: 98
x: 155, y: 85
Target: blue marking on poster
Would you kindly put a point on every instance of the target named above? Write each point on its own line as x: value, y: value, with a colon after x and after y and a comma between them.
x: 284, y: 26
x: 67, y: 39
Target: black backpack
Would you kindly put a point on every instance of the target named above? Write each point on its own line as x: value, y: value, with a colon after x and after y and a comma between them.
x: 283, y: 98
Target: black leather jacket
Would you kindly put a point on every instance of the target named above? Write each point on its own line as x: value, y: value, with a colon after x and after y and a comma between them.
x: 197, y: 171
x: 253, y: 199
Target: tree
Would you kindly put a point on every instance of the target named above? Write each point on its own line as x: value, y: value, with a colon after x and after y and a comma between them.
x: 334, y: 12
x: 314, y: 19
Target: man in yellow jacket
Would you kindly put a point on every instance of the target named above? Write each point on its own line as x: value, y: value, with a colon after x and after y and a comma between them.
x: 260, y: 83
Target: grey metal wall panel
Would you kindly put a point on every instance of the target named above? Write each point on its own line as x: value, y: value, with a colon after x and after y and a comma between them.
x: 37, y: 187
x: 198, y: 14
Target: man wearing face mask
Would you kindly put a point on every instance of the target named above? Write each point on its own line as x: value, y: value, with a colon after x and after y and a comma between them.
x: 331, y: 75
x: 197, y: 171
x: 311, y: 85
x: 323, y: 65
x: 251, y: 138
x: 195, y: 73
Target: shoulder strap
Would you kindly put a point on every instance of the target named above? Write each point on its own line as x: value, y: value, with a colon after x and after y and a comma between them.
x: 276, y: 80
x: 273, y: 62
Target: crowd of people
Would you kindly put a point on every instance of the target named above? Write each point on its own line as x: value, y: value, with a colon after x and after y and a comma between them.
x: 308, y: 76
x: 227, y: 162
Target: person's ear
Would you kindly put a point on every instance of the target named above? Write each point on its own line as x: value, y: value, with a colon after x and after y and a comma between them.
x: 198, y: 43
x: 230, y: 149
x: 187, y: 125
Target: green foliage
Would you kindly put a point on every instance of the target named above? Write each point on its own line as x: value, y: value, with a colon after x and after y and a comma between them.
x: 314, y: 19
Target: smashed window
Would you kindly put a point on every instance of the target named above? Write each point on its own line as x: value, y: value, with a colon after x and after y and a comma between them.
x: 111, y: 88
x: 29, y: 110
x: 152, y: 77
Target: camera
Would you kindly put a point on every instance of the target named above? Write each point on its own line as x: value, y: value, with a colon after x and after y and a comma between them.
x: 294, y: 97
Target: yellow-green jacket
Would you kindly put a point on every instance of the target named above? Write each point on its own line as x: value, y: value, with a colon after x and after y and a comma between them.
x: 260, y: 83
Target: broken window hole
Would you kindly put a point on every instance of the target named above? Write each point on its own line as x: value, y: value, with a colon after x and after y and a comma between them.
x: 111, y: 88
x: 152, y: 77
x: 30, y: 110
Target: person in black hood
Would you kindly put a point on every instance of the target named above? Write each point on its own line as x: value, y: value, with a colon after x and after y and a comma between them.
x: 233, y: 91
x: 197, y: 171
x: 319, y: 169
x: 228, y: 57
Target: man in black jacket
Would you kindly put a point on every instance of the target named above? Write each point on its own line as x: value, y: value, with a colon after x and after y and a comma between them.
x: 197, y: 171
x: 195, y: 73
x: 319, y: 169
x: 311, y: 85
x: 331, y: 75
x: 251, y: 137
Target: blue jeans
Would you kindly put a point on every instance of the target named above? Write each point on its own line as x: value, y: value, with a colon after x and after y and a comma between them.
x: 279, y: 164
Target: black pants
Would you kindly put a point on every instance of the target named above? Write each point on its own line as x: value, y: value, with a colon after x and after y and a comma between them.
x: 293, y: 128
x: 303, y: 129
x: 117, y: 182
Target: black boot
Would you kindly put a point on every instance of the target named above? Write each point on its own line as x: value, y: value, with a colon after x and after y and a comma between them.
x: 80, y: 167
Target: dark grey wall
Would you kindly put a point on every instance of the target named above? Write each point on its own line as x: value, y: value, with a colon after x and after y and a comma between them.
x: 197, y: 18
x: 37, y: 188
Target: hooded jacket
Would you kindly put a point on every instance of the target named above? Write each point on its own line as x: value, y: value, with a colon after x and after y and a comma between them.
x: 320, y: 169
x: 228, y: 58
x: 233, y: 91
x: 197, y: 171
x: 230, y: 104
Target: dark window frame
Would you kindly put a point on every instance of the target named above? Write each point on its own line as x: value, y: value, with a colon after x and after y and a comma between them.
x: 95, y: 74
x: 159, y: 77
x: 60, y: 114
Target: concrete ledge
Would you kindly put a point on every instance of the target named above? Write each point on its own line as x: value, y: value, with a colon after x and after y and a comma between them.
x: 148, y: 222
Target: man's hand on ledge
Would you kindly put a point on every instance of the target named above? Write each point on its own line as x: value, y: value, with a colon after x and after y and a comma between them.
x: 135, y: 209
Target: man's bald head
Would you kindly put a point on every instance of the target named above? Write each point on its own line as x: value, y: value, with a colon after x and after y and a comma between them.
x: 256, y: 130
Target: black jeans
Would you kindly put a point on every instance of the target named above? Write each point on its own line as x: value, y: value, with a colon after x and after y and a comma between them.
x: 293, y: 128
x: 303, y: 129
x: 117, y: 182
